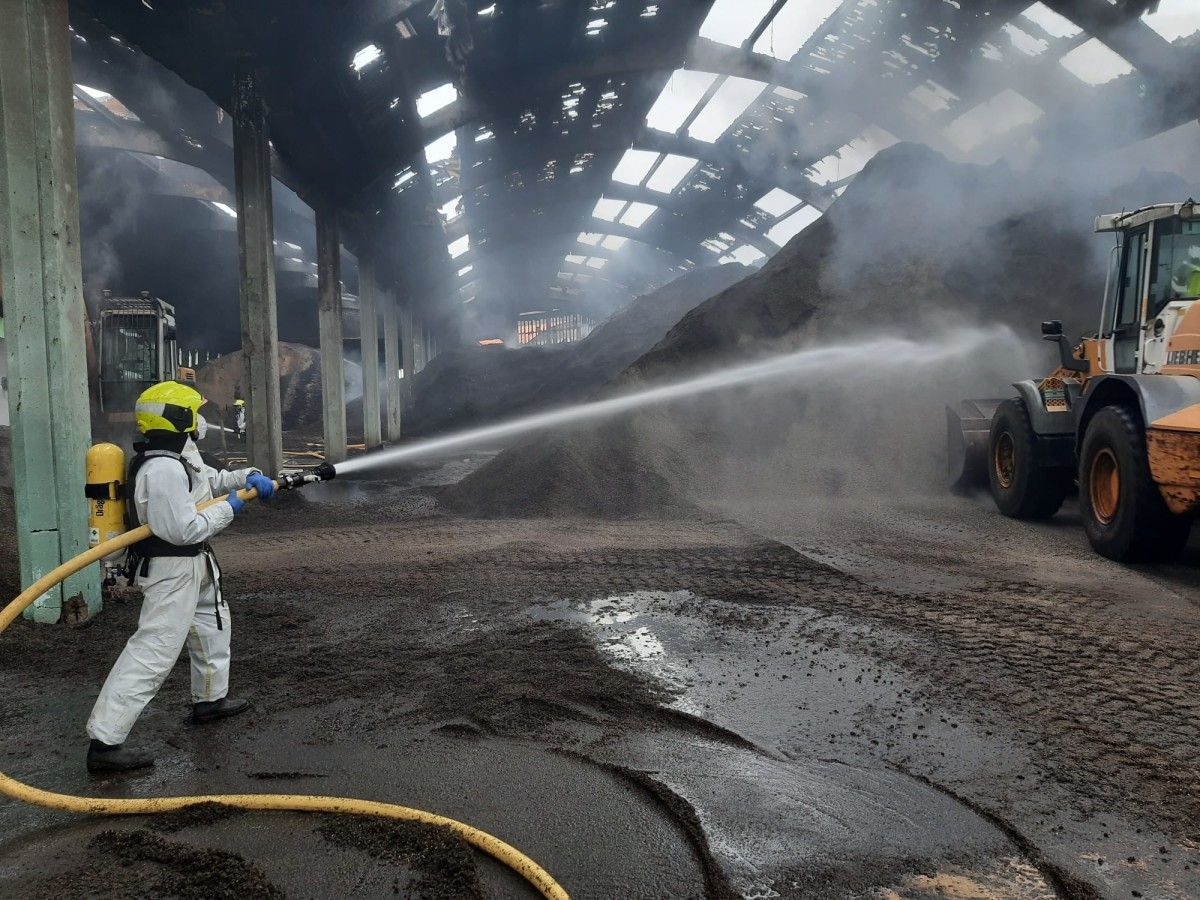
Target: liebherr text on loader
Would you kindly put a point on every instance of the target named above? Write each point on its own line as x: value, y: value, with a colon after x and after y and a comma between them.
x: 1120, y: 416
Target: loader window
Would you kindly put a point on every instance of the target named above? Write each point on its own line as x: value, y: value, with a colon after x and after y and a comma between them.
x: 1129, y: 303
x: 1175, y: 269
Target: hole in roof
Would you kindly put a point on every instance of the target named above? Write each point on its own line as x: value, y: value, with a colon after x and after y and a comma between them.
x: 650, y: 11
x: 465, y: 270
x: 597, y: 262
x: 1025, y: 42
x: 365, y: 57
x: 678, y: 98
x: 1052, y: 23
x: 850, y: 159
x: 1175, y: 19
x: 451, y: 209
x: 1095, y: 63
x: 793, y: 26
x: 403, y: 178
x: 1004, y: 112
x: 776, y: 202
x: 460, y: 246
x: 608, y: 209
x: 441, y: 149
x: 793, y: 225
x: 637, y: 214
x: 614, y: 242
x: 746, y: 255
x: 730, y: 22
x: 933, y: 97
x: 670, y: 172
x: 590, y: 238
x: 439, y: 98
x: 634, y: 166
x: 576, y: 259
x: 730, y: 101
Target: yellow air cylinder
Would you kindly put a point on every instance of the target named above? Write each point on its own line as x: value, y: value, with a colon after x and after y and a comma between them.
x: 105, y: 490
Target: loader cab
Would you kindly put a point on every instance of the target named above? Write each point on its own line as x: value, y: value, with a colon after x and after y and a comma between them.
x: 138, y: 348
x: 1153, y: 280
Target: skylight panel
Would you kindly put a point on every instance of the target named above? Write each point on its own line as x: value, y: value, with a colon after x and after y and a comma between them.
x: 793, y: 26
x: 576, y: 259
x: 1051, y: 22
x: 365, y: 57
x: 452, y: 209
x: 671, y: 172
x: 1024, y: 41
x: 608, y: 209
x: 637, y: 214
x: 439, y: 98
x: 679, y: 97
x: 614, y: 242
x: 933, y: 96
x: 729, y: 102
x: 793, y: 225
x: 747, y: 255
x: 1095, y: 63
x: 458, y: 247
x: 731, y: 22
x: 590, y: 238
x: 776, y: 202
x: 1175, y: 19
x: 850, y: 159
x: 634, y: 166
x: 597, y: 262
x: 997, y: 116
x: 441, y: 149
x: 465, y: 270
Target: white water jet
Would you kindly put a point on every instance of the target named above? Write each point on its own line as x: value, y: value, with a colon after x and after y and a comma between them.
x: 834, y: 361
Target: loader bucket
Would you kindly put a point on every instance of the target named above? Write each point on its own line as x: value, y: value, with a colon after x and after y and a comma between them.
x: 967, y: 429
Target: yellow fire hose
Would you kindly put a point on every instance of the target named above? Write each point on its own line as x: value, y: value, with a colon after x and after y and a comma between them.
x: 505, y: 853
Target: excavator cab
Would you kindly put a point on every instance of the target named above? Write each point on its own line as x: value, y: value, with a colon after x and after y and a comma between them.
x: 1119, y: 417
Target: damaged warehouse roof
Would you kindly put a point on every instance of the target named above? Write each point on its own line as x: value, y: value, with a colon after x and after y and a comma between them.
x: 599, y: 148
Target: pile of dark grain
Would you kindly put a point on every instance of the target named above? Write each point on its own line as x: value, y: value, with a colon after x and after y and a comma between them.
x: 916, y: 245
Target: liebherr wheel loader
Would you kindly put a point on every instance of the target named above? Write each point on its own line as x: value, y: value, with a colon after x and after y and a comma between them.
x: 1120, y: 416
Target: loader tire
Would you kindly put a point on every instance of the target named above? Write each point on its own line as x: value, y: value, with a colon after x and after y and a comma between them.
x: 1022, y: 487
x: 1124, y: 515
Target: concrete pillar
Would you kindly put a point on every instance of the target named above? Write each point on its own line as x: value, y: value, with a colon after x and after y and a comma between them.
x: 329, y: 297
x: 407, y: 352
x: 368, y: 328
x: 43, y: 302
x: 256, y: 245
x: 391, y: 364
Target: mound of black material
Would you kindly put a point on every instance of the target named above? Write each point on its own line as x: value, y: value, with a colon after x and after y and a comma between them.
x: 472, y: 385
x: 915, y: 245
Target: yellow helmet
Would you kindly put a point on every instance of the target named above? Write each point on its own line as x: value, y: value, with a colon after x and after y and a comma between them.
x: 168, y: 406
x: 239, y: 402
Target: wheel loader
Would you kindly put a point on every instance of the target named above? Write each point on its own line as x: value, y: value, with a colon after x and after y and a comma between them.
x: 1119, y: 419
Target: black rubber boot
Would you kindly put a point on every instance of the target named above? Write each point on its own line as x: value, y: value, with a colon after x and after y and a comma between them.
x: 102, y: 757
x: 218, y: 709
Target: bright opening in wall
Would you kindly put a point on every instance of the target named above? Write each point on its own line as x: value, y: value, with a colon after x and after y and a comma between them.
x: 730, y: 101
x: 792, y: 28
x: 678, y: 98
x: 793, y: 225
x: 439, y: 98
x: 458, y: 247
x: 1095, y: 63
x: 365, y: 57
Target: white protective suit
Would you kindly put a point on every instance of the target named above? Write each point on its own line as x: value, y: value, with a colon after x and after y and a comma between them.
x: 181, y: 595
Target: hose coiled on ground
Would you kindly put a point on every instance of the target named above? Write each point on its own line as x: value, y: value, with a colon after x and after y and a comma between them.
x: 538, y: 877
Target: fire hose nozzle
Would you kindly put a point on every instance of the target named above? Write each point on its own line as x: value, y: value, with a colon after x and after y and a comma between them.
x: 323, y: 472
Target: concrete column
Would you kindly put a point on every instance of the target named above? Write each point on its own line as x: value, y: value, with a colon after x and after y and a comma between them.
x: 329, y: 296
x: 256, y: 245
x: 407, y: 352
x: 368, y: 328
x: 43, y: 300
x: 391, y: 364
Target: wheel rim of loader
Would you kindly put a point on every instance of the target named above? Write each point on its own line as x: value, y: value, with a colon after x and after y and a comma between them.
x: 1104, y: 486
x: 1004, y: 459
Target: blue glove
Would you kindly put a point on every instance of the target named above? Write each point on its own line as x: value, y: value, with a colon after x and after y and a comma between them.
x: 236, y: 502
x: 261, y: 483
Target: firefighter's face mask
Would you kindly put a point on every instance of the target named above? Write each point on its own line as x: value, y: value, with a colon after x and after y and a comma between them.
x: 201, y: 428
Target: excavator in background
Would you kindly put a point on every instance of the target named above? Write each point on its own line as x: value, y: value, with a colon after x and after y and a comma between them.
x: 1119, y: 418
x: 133, y: 345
